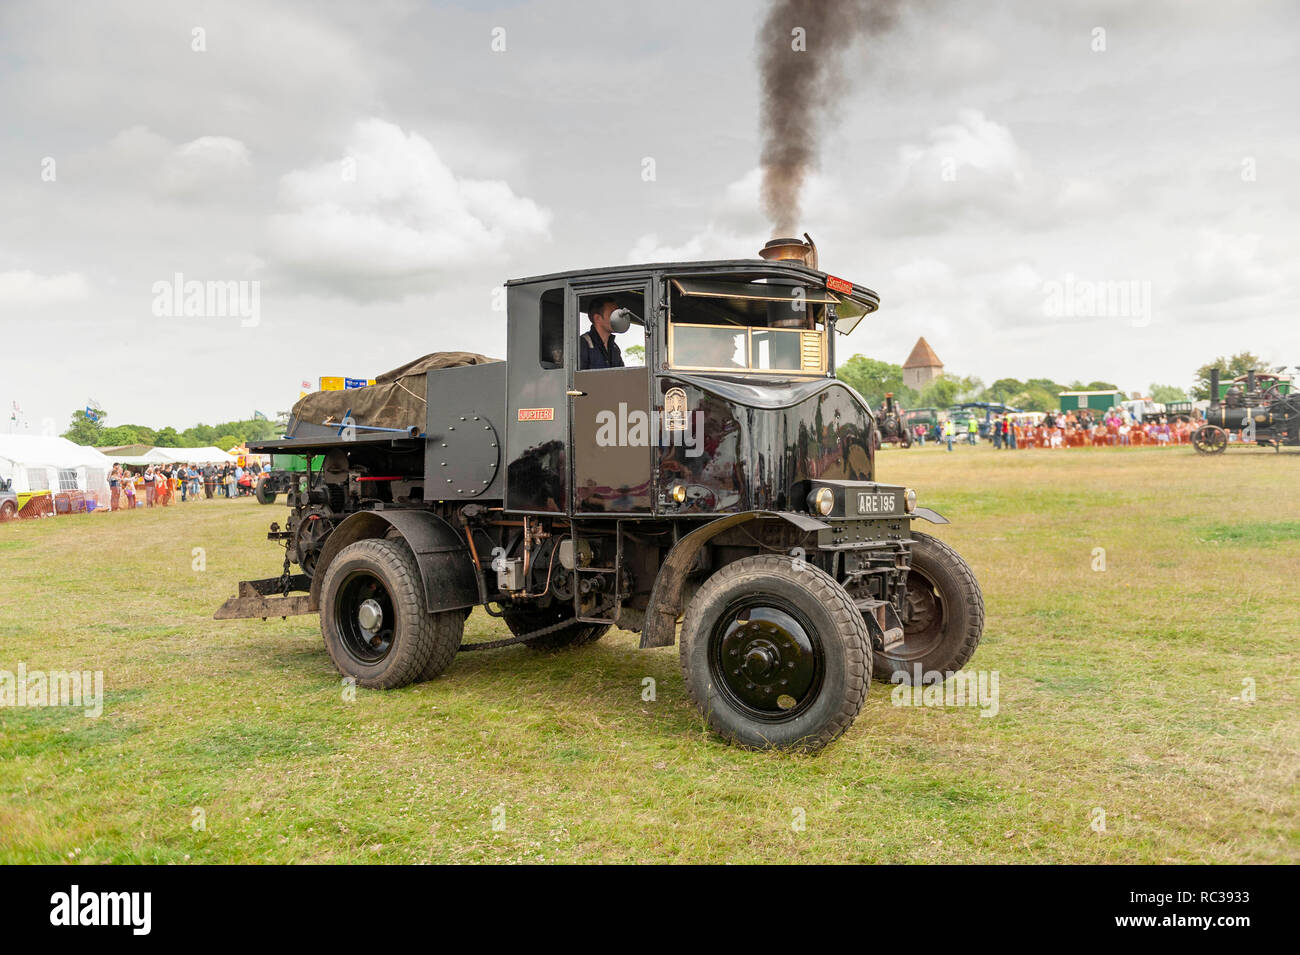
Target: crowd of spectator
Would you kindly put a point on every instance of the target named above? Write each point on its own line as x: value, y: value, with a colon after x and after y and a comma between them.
x: 1074, y: 429
x: 159, y: 485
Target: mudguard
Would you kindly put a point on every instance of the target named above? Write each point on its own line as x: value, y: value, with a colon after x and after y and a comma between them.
x: 441, y: 553
x: 666, y: 595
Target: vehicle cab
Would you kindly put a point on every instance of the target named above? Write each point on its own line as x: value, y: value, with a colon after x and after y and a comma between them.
x: 726, y: 402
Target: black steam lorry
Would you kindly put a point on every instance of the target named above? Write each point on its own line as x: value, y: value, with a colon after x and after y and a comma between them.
x: 726, y: 487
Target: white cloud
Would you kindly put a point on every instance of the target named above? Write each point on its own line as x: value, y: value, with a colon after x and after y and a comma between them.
x: 29, y: 290
x: 201, y: 168
x: 389, y: 215
x: 972, y: 144
x: 197, y: 166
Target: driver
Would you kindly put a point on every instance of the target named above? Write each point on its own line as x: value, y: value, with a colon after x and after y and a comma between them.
x: 597, y: 346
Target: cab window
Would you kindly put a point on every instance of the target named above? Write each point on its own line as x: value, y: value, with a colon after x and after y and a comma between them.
x: 611, y: 329
x: 747, y: 327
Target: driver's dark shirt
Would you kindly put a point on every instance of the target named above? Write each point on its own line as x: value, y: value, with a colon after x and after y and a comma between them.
x: 595, y: 354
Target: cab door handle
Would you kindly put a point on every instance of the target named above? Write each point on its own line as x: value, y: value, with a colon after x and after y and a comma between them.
x: 576, y: 394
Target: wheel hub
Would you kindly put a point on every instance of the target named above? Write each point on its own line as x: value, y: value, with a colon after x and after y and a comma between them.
x: 370, y: 615
x: 365, y: 617
x: 766, y: 661
x: 760, y: 660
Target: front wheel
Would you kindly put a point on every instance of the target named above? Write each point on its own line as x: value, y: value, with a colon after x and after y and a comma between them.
x: 373, y: 617
x: 943, y: 619
x: 264, y: 492
x: 775, y: 654
x: 8, y: 511
x: 1210, y: 439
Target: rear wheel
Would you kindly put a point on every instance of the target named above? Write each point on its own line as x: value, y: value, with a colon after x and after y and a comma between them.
x: 943, y: 618
x: 525, y: 619
x: 374, y: 620
x: 775, y: 655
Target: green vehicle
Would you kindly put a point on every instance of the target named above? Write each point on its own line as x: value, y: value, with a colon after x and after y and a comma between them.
x: 926, y: 416
x: 283, y: 476
x: 1093, y: 401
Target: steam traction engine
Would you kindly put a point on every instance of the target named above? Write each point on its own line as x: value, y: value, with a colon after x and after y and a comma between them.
x: 1261, y: 408
x: 890, y: 426
x: 726, y: 488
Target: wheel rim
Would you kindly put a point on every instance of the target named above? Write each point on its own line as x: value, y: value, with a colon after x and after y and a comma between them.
x: 766, y: 658
x: 310, y: 537
x: 363, y: 612
x: 924, y: 617
x: 1210, y: 439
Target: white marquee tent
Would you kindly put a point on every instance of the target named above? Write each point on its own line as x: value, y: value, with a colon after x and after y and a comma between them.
x: 207, y: 455
x: 38, y: 463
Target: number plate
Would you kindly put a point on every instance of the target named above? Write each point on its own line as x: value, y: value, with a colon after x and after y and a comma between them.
x: 877, y: 502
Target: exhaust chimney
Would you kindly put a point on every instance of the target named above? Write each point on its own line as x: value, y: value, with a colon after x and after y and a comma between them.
x: 786, y: 250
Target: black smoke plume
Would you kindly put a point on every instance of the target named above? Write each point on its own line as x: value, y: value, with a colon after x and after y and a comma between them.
x: 801, y: 85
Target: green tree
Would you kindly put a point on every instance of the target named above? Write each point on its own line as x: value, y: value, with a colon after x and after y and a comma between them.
x: 122, y: 434
x: 636, y: 353
x: 1229, y: 368
x: 1166, y: 393
x: 83, y: 430
x: 1003, y: 390
x: 969, y: 388
x: 167, y: 438
x: 871, y: 379
x: 939, y: 393
x: 198, y: 436
x: 1036, y: 398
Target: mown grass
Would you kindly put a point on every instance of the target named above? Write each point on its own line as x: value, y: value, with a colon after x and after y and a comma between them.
x: 1120, y: 690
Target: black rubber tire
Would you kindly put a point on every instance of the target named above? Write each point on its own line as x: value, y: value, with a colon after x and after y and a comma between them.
x: 839, y: 628
x: 449, y: 626
x: 422, y: 644
x: 8, y: 511
x: 525, y: 619
x: 264, y: 494
x: 946, y: 645
x: 448, y: 629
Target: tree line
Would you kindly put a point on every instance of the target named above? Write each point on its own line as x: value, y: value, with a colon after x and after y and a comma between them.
x: 86, y: 430
x: 873, y: 379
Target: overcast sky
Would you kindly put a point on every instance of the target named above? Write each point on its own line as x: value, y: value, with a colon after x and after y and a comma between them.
x: 378, y: 169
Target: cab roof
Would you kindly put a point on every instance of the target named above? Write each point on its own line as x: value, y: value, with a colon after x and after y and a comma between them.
x: 743, y: 269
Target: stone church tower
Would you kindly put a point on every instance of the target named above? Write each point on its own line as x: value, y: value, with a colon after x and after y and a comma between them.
x: 922, y: 366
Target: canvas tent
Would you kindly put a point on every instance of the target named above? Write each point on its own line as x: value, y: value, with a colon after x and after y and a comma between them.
x: 70, y: 474
x: 207, y: 455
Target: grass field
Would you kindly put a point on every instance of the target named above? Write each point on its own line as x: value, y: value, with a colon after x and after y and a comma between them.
x: 1126, y: 690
